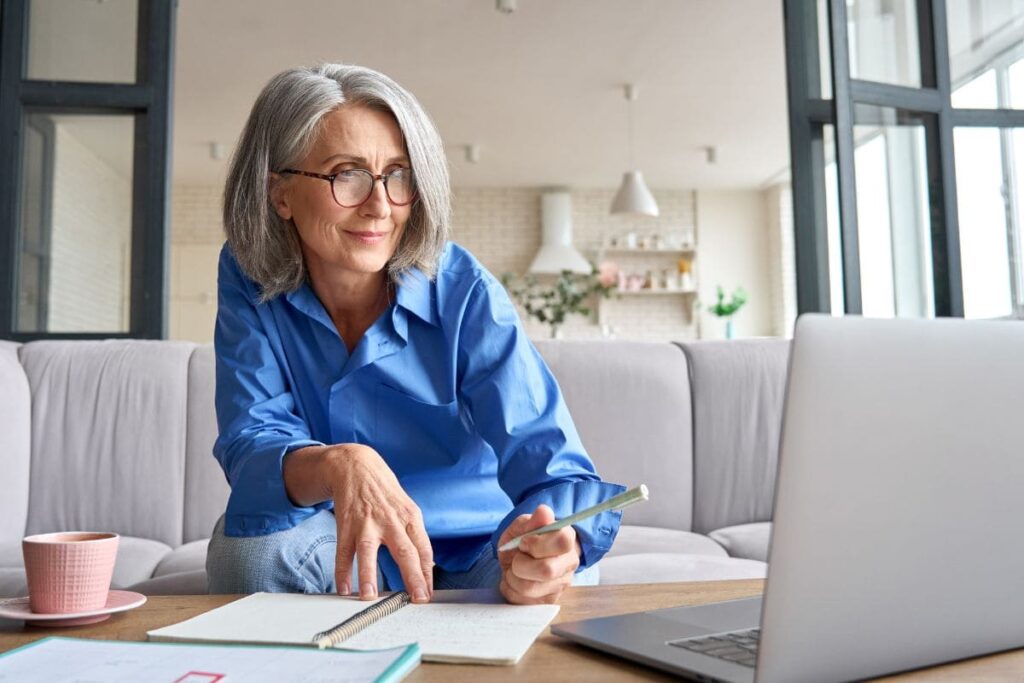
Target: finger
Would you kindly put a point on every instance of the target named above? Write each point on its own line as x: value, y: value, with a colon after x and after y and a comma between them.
x: 550, y: 544
x: 521, y: 592
x: 366, y: 554
x: 343, y: 556
x: 407, y: 557
x: 418, y: 535
x: 518, y: 527
x: 547, y: 569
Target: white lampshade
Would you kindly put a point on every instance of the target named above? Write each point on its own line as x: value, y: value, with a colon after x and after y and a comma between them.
x: 633, y: 196
x: 556, y: 252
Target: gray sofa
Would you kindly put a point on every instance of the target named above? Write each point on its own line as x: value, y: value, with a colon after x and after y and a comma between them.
x: 117, y: 435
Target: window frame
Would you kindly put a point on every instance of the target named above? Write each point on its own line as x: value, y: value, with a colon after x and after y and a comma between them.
x: 148, y: 100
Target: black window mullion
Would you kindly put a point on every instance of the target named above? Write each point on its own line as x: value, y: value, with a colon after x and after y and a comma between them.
x: 895, y: 96
x: 86, y: 98
x: 945, y: 224
x: 13, y: 22
x: 150, y: 234
x: 807, y: 156
x: 842, y: 103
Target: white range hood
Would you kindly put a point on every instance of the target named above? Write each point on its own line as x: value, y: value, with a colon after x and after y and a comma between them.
x: 556, y: 252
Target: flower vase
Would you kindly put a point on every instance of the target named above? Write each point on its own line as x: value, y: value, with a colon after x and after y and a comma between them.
x: 730, y: 329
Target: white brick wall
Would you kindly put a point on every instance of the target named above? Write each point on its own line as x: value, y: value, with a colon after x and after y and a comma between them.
x: 501, y: 226
x: 90, y: 242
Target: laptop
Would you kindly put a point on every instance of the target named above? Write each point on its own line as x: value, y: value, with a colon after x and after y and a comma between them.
x: 898, y: 535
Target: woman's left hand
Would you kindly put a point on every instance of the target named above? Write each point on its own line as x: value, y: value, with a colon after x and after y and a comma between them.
x: 542, y: 566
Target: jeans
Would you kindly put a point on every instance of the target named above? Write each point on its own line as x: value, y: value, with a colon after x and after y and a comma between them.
x: 301, y: 560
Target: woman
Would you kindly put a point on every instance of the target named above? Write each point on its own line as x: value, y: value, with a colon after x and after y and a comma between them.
x: 384, y: 421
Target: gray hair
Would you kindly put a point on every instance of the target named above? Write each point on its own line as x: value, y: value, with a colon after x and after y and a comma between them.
x: 282, y: 127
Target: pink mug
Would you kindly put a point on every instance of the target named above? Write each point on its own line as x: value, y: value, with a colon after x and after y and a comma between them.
x: 69, y: 571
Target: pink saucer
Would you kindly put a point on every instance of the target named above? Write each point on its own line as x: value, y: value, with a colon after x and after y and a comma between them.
x: 117, y: 601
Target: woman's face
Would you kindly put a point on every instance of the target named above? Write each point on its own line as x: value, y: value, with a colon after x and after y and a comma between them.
x: 361, y: 239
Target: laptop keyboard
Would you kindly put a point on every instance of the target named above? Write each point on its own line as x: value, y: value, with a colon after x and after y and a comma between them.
x: 738, y: 646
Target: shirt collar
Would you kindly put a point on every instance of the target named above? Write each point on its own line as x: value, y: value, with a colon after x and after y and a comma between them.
x: 416, y: 295
x: 305, y: 300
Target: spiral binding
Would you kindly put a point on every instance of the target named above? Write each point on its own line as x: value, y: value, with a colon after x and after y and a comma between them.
x: 358, y: 622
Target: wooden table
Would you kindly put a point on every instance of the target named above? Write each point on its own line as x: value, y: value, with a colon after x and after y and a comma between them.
x: 550, y: 659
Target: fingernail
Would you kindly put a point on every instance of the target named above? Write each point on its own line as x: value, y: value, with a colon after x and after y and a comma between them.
x: 369, y: 590
x: 346, y: 589
x: 421, y: 595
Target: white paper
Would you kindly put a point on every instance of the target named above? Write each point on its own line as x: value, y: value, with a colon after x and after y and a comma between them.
x: 447, y: 629
x: 71, y: 660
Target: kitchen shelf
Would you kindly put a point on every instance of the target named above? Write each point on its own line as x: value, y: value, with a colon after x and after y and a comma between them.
x: 638, y: 250
x: 652, y: 292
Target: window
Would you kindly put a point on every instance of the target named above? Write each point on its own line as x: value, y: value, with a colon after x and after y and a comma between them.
x: 84, y: 138
x: 907, y: 158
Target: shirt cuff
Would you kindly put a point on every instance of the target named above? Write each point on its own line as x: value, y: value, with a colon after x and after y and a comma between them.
x: 595, y: 534
x: 259, y: 503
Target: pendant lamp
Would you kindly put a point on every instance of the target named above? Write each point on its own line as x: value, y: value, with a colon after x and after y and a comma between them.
x: 633, y: 197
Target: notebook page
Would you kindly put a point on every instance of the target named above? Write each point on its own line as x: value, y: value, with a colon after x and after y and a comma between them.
x: 453, y: 632
x: 291, y: 618
x: 450, y: 628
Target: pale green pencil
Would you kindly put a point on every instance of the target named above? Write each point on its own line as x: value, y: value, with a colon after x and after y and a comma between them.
x: 634, y: 495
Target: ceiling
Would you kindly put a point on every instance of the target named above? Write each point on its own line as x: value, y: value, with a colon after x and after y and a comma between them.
x: 539, y: 90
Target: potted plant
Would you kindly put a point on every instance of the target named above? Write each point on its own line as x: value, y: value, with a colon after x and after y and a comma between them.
x: 726, y: 309
x: 569, y: 294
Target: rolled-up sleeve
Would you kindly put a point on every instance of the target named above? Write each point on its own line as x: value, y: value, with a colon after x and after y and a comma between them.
x: 256, y: 414
x: 518, y: 408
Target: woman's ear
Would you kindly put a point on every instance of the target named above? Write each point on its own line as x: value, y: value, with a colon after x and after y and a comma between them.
x: 279, y: 196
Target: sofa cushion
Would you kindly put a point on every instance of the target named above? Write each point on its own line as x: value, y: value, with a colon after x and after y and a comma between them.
x: 180, y: 583
x: 745, y: 540
x: 668, y: 567
x: 738, y: 389
x: 137, y: 558
x: 633, y: 539
x: 13, y: 583
x: 10, y: 555
x: 15, y: 429
x: 631, y: 405
x: 187, y: 558
x: 206, y: 487
x: 108, y: 436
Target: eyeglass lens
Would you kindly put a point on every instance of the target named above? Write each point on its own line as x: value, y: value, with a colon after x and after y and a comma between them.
x: 353, y: 187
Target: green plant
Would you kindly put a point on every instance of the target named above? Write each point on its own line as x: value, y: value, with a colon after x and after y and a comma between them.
x: 724, y: 309
x: 552, y: 303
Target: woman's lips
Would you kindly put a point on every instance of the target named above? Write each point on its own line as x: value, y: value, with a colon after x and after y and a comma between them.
x: 367, y: 237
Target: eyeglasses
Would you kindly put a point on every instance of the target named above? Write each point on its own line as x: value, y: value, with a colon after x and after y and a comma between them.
x: 352, y: 187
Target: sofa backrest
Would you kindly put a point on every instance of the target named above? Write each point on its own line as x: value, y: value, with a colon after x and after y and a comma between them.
x: 631, y: 404
x: 206, y: 487
x: 15, y: 445
x: 108, y: 436
x: 738, y: 388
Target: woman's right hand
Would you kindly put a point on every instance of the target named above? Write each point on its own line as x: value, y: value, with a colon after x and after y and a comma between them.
x: 372, y: 510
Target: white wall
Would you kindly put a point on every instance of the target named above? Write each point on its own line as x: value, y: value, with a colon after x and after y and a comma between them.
x: 734, y: 251
x: 501, y: 226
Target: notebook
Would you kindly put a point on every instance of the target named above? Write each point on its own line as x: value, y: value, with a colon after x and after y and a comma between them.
x: 52, y: 660
x: 464, y: 626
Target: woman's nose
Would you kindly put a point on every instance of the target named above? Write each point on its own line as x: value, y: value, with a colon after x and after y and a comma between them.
x: 377, y: 205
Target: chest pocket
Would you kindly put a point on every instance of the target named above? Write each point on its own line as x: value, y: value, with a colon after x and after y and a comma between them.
x: 413, y: 434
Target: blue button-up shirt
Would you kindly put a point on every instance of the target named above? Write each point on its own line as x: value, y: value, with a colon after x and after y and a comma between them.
x: 445, y: 386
